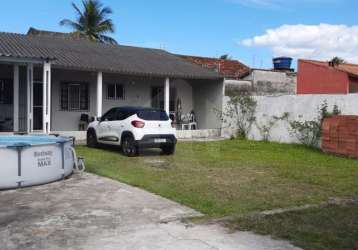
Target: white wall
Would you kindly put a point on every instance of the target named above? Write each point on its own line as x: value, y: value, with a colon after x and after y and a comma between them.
x: 208, y: 100
x: 185, y: 93
x: 137, y: 93
x: 297, y: 105
x: 69, y: 120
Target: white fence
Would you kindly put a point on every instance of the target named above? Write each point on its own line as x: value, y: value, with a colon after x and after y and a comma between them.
x: 300, y: 107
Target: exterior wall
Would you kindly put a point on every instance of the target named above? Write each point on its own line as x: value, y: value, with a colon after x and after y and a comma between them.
x: 185, y: 93
x: 137, y: 93
x: 268, y: 82
x: 208, y: 100
x: 316, y: 79
x: 300, y: 107
x: 69, y: 120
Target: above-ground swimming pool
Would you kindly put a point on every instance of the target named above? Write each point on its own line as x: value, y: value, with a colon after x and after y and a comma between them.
x: 27, y: 160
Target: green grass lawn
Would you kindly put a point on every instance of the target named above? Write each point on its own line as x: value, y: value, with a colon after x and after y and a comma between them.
x: 232, y: 177
x: 328, y: 228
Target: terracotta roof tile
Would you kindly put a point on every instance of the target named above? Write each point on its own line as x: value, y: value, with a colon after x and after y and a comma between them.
x: 351, y: 69
x: 227, y: 68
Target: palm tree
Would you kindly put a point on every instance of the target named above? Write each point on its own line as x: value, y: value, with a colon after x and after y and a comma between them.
x: 92, y: 22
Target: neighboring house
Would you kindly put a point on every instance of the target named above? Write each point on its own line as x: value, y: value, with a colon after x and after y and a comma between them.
x: 270, y: 82
x: 48, y: 80
x: 316, y: 77
x: 230, y: 69
x: 240, y: 78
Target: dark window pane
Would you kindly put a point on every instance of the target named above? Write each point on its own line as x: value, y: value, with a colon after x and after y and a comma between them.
x: 153, y: 115
x: 111, y: 115
x: 115, y: 91
x: 119, y: 91
x: 84, y: 99
x: 37, y: 118
x: 111, y: 89
x: 74, y: 96
x: 6, y: 91
x: 37, y: 94
x: 64, y: 96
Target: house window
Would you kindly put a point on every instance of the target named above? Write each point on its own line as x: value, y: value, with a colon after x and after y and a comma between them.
x: 115, y: 91
x: 158, y: 98
x: 74, y: 96
x: 5, y: 91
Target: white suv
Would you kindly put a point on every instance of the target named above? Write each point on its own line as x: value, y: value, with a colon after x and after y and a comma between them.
x: 133, y: 128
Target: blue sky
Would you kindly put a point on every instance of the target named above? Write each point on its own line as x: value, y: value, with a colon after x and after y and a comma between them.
x: 213, y: 27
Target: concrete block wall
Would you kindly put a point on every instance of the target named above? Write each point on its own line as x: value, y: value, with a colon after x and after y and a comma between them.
x: 264, y: 83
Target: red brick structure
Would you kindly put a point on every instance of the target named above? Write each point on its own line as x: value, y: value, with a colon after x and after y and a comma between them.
x: 231, y: 69
x: 316, y: 77
x: 340, y: 135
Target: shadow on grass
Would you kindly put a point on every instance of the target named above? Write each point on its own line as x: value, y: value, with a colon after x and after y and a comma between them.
x: 148, y: 152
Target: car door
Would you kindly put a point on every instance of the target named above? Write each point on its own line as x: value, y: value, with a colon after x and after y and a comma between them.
x: 117, y: 126
x: 104, y: 126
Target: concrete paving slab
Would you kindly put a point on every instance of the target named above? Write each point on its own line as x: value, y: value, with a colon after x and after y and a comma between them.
x: 91, y: 212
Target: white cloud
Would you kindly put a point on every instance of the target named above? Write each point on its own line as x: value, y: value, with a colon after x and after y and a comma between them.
x: 322, y: 41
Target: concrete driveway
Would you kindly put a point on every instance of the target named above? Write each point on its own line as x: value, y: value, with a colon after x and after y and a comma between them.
x: 91, y: 212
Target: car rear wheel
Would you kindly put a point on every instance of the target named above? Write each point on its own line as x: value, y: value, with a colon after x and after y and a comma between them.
x: 128, y: 146
x: 168, y: 150
x: 91, y: 139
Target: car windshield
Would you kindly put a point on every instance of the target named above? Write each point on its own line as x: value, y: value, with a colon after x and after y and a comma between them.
x: 153, y: 115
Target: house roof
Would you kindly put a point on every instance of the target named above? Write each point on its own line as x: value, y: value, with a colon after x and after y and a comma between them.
x: 351, y: 69
x: 228, y: 68
x: 81, y: 54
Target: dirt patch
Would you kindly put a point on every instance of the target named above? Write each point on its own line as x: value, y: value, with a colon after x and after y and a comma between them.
x: 157, y: 163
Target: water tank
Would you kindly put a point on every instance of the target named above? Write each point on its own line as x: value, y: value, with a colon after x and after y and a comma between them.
x: 282, y: 63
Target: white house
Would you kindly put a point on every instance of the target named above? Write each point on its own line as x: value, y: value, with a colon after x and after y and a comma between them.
x: 48, y: 80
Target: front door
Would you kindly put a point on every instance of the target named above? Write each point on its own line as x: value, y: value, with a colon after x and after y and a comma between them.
x: 38, y: 105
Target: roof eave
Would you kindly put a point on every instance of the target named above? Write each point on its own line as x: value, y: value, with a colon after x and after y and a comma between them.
x: 22, y: 59
x: 142, y: 74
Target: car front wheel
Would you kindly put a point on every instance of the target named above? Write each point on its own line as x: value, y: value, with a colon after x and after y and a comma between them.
x: 129, y: 147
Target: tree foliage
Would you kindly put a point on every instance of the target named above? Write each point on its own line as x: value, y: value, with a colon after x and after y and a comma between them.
x: 309, y: 132
x: 241, y: 110
x: 92, y: 22
x: 337, y: 61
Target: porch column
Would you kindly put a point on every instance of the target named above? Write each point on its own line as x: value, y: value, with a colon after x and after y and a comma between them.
x: 16, y: 99
x: 99, y: 94
x: 46, y: 111
x: 166, y: 94
x: 29, y: 74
